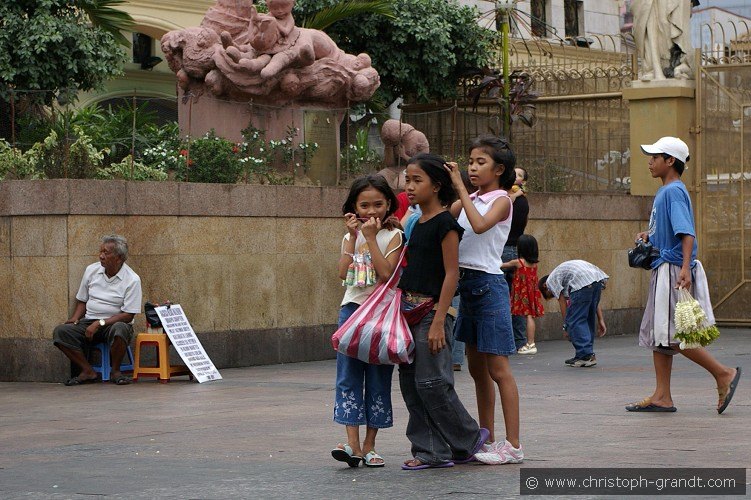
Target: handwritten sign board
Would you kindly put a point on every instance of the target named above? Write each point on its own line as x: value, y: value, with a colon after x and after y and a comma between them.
x: 187, y: 345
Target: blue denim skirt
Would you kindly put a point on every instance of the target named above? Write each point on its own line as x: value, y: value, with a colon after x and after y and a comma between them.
x: 484, y: 319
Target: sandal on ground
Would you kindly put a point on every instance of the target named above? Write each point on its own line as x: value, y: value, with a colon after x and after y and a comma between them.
x: 373, y: 459
x: 726, y: 393
x: 418, y: 464
x: 121, y: 380
x: 483, y: 437
x: 346, y: 454
x: 82, y: 381
x: 647, y: 406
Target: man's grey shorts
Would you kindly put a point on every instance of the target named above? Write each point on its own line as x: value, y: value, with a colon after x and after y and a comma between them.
x: 74, y: 336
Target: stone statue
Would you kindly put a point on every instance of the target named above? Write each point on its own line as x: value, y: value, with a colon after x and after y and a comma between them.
x: 241, y: 54
x: 402, y: 141
x: 663, y: 40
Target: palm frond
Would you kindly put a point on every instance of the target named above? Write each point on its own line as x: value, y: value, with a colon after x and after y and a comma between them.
x: 348, y: 8
x: 104, y: 14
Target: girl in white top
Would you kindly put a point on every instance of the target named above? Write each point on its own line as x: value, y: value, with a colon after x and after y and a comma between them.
x: 370, y: 253
x: 484, y: 320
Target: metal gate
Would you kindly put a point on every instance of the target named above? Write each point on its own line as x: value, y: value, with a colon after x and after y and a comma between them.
x: 723, y: 106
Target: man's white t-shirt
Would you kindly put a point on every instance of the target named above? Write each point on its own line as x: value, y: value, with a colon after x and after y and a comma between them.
x: 105, y: 297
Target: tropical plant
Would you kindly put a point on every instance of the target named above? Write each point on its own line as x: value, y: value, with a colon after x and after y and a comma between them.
x: 272, y: 161
x: 164, y: 147
x: 131, y: 170
x: 211, y: 159
x: 519, y: 105
x: 52, y: 46
x: 421, y: 52
x: 16, y: 164
x: 66, y: 158
x: 117, y: 129
x: 103, y: 14
x: 345, y: 10
x: 357, y: 158
x: 113, y: 128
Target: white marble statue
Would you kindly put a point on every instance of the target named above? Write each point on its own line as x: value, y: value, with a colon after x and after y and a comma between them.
x: 663, y: 38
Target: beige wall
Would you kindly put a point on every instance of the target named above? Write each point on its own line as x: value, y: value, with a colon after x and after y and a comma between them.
x: 253, y: 266
x: 658, y: 109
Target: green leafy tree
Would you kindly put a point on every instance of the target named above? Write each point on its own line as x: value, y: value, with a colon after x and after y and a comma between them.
x: 421, y: 52
x: 55, y: 47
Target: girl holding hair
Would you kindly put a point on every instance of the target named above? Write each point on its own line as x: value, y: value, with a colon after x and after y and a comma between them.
x: 370, y: 253
x: 484, y: 320
x: 526, y: 299
x: 440, y: 429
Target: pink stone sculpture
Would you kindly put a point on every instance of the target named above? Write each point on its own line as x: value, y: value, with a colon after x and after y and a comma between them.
x: 402, y: 141
x: 240, y: 54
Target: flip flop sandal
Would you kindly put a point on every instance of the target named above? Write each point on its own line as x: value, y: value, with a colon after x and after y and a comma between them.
x: 484, y: 435
x: 121, y: 380
x: 78, y: 381
x: 346, y: 455
x: 728, y: 396
x: 423, y: 465
x: 645, y: 405
x: 372, y: 455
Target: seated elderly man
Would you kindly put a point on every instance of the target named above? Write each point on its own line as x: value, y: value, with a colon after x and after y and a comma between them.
x: 107, y: 300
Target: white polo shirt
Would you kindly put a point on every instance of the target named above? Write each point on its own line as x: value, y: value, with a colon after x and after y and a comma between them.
x: 483, y: 252
x: 105, y: 297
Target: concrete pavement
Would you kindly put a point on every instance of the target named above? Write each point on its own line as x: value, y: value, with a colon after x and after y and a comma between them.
x: 266, y: 432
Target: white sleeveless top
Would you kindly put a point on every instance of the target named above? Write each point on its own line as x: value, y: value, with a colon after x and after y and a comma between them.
x: 483, y: 251
x: 358, y: 294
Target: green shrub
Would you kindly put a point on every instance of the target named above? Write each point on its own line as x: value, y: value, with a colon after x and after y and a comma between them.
x: 135, y: 172
x: 358, y: 158
x: 16, y: 164
x: 274, y: 162
x: 71, y: 158
x: 211, y: 159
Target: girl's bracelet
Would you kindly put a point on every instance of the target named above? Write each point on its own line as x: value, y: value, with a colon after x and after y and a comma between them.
x: 350, y: 254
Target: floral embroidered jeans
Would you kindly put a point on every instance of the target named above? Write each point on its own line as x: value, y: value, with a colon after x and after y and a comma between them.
x: 363, y: 391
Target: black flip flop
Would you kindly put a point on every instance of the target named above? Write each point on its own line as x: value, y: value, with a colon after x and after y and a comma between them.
x: 121, y: 380
x: 651, y: 408
x: 731, y: 390
x: 77, y: 381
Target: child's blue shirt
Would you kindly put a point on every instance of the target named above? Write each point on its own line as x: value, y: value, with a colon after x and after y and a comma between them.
x: 671, y: 216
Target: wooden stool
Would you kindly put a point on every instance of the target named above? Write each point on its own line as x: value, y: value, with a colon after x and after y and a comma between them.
x: 163, y: 370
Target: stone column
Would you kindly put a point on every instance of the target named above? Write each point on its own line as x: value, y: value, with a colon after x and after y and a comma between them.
x: 657, y: 109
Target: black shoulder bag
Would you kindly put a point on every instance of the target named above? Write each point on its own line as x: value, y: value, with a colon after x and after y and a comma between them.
x: 642, y: 255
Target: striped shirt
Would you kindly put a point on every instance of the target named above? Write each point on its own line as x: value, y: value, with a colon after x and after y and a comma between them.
x: 573, y: 275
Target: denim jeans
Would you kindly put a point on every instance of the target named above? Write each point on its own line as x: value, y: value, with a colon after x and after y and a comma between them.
x: 439, y: 426
x: 581, y: 318
x: 363, y: 391
x: 484, y: 319
x: 518, y: 323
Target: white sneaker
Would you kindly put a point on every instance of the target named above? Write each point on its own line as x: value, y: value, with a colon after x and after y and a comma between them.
x: 492, y: 447
x: 506, y: 454
x: 528, y: 349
